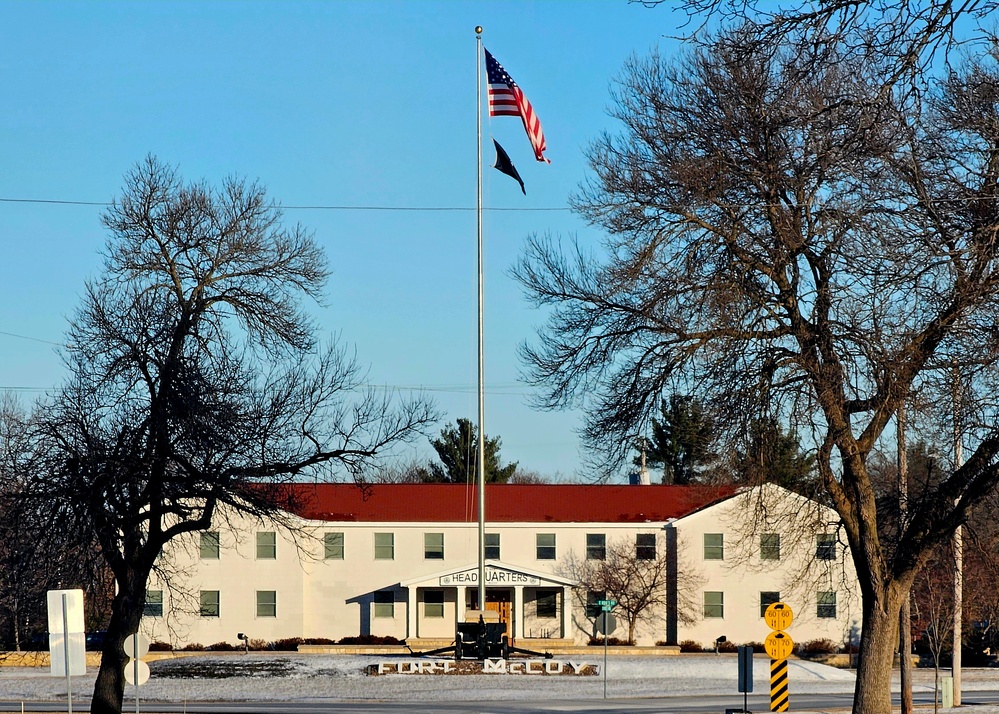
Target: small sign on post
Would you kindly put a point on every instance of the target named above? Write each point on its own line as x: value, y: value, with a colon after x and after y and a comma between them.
x: 779, y: 646
x: 67, y: 637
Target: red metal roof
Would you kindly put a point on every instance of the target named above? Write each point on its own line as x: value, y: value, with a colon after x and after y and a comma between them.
x: 535, y: 503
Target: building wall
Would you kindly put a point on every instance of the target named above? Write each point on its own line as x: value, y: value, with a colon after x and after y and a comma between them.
x: 748, y: 524
x: 337, y: 597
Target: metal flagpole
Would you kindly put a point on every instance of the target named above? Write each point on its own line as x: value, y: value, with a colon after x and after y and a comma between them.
x: 481, y: 470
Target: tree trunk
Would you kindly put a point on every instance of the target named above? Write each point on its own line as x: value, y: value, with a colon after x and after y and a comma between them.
x: 126, y: 612
x: 877, y: 650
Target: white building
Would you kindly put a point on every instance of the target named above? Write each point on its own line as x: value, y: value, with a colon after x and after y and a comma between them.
x: 401, y: 560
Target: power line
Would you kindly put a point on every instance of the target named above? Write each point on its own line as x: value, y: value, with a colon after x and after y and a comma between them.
x: 438, y: 209
x: 33, y: 339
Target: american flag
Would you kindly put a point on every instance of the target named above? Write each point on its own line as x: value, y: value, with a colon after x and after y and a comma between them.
x: 507, y: 100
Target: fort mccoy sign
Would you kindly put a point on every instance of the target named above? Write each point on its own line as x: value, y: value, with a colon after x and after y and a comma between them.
x: 550, y: 667
x: 494, y: 576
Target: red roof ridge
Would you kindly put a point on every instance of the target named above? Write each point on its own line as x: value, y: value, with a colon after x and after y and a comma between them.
x: 511, y: 503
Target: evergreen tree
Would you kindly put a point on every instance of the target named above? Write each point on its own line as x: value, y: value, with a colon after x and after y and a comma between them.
x: 775, y: 456
x: 457, y: 449
x: 682, y: 442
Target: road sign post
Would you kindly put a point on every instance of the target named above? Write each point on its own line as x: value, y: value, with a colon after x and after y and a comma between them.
x: 606, y: 624
x: 779, y: 646
x: 745, y: 674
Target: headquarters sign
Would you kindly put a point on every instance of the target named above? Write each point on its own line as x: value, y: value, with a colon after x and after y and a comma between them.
x: 494, y: 576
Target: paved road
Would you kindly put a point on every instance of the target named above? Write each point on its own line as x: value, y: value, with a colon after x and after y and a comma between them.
x: 670, y: 705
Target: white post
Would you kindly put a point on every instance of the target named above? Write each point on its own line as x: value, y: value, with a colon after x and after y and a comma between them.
x: 135, y: 667
x: 65, y: 650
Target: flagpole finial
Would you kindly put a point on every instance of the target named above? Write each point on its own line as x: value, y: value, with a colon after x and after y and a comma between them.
x: 478, y: 30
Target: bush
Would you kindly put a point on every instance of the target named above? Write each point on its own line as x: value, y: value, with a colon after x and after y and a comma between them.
x: 611, y: 642
x: 222, y: 647
x: 758, y: 647
x: 160, y: 647
x: 288, y: 644
x: 256, y: 645
x: 193, y: 647
x: 727, y: 646
x: 812, y: 648
x: 369, y: 640
x: 691, y: 646
x: 318, y: 641
x: 664, y: 643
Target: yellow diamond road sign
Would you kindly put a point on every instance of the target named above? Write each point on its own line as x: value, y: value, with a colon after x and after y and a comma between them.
x: 778, y: 645
x: 778, y: 616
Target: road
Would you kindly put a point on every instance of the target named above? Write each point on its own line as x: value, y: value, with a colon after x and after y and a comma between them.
x: 667, y: 705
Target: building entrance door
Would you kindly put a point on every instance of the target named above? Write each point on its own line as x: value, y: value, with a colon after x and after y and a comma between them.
x: 501, y: 601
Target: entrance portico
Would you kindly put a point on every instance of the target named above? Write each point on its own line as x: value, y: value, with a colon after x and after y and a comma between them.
x: 532, y: 604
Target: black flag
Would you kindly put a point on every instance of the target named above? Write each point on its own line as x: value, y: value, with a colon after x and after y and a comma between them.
x: 504, y: 164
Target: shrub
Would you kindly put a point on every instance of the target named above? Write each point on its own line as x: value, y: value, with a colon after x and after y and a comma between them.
x: 160, y: 647
x: 611, y: 641
x: 727, y: 646
x: 193, y: 647
x: 369, y: 640
x: 221, y: 647
x: 257, y: 645
x: 664, y: 643
x: 691, y: 646
x: 816, y: 647
x: 758, y: 647
x: 317, y: 641
x: 288, y: 644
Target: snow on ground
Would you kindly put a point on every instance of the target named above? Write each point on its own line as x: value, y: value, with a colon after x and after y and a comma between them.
x: 306, y: 678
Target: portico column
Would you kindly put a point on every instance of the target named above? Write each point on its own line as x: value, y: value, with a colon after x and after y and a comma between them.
x: 518, y: 612
x: 459, y: 606
x: 410, y: 610
x: 566, y: 604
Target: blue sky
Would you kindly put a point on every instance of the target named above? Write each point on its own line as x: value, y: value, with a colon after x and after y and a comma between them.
x: 351, y: 104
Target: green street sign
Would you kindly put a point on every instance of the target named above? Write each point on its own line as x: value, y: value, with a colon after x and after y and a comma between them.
x: 607, y: 605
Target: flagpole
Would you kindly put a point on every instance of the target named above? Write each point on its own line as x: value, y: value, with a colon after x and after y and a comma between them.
x: 481, y: 470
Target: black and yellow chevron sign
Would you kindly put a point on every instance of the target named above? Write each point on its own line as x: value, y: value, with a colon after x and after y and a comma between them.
x: 779, y: 697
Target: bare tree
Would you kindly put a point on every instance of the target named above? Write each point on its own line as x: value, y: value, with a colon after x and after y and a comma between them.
x: 907, y: 36
x: 35, y: 557
x: 635, y: 575
x: 196, y: 385
x: 784, y: 236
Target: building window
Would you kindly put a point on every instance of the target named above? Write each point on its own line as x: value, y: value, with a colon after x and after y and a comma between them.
x: 593, y: 607
x: 266, y: 603
x: 384, y: 603
x: 768, y: 598
x: 825, y: 546
x: 333, y: 544
x: 384, y: 546
x: 210, y: 545
x: 433, y: 603
x: 266, y: 545
x: 433, y: 546
x: 714, y: 604
x: 596, y: 546
x: 714, y: 546
x: 547, y: 604
x: 492, y: 546
x: 546, y: 546
x: 826, y: 604
x: 645, y: 546
x: 154, y: 604
x: 770, y: 546
x: 210, y: 603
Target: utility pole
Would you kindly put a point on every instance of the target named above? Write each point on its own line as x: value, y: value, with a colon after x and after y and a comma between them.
x: 905, y: 617
x: 958, y: 545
